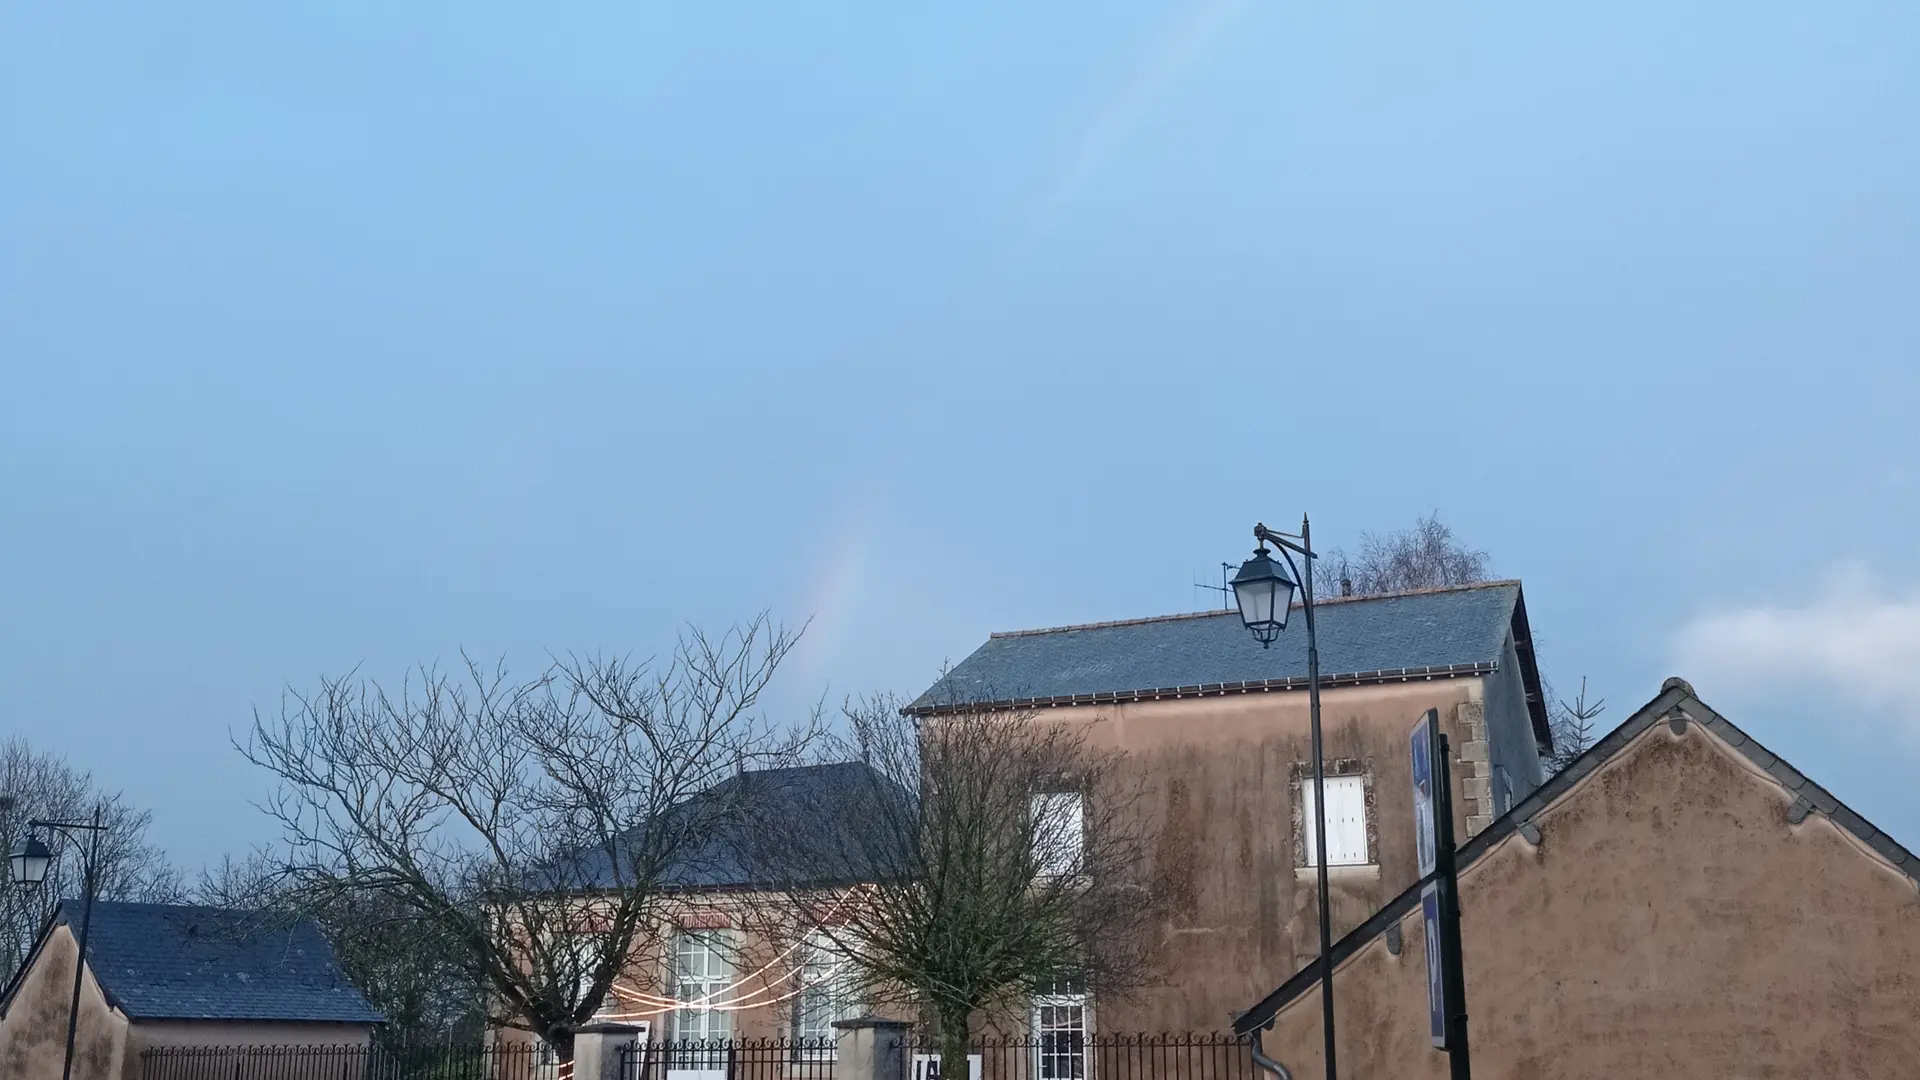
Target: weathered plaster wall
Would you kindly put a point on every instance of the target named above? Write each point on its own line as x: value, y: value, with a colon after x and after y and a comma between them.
x: 33, y: 1033
x: 1670, y: 923
x: 1222, y: 801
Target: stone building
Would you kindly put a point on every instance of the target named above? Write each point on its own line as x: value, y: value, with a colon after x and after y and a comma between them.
x: 1678, y: 901
x: 1218, y: 728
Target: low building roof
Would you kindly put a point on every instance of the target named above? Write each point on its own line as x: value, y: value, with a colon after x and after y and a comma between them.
x: 182, y: 962
x: 816, y: 808
x: 1429, y: 633
x: 1676, y: 705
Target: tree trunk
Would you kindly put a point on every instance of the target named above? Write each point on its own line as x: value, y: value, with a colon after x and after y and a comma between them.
x: 953, y: 1044
x: 561, y: 1039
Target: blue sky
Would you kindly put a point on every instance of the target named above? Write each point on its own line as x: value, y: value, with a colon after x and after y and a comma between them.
x: 356, y: 333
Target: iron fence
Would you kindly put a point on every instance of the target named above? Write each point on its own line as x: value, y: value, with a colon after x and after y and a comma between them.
x: 503, y: 1061
x: 1071, y: 1055
x: 729, y: 1059
x: 1064, y: 1055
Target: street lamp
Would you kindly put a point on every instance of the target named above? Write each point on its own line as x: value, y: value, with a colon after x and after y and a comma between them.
x: 29, y: 863
x: 1264, y: 594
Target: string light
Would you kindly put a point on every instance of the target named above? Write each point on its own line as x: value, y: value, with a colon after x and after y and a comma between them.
x: 706, y: 1001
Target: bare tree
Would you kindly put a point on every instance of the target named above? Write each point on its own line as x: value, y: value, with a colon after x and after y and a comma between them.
x: 45, y: 786
x: 984, y: 855
x: 1572, y: 726
x: 1426, y: 556
x: 528, y: 826
x: 405, y: 965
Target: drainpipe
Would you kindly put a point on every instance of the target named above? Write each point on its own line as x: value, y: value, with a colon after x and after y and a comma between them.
x: 1260, y: 1058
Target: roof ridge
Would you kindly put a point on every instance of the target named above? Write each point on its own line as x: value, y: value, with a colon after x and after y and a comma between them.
x: 1319, y: 602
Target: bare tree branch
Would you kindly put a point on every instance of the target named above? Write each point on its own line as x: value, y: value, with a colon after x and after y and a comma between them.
x: 1572, y: 726
x: 130, y: 868
x: 994, y: 853
x: 530, y: 827
x: 1426, y: 556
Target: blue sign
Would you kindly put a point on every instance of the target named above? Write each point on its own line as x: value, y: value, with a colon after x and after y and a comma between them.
x: 1424, y: 840
x: 1436, y: 981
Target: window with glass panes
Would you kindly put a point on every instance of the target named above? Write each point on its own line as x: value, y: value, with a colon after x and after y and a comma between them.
x: 700, y: 974
x: 826, y: 994
x: 1060, y: 1030
x: 1346, y: 820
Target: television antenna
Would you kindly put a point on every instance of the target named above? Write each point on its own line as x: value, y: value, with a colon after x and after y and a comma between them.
x: 1225, y: 588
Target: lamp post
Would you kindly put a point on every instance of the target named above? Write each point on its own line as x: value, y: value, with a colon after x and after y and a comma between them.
x: 9, y: 957
x: 1264, y: 594
x: 29, y: 863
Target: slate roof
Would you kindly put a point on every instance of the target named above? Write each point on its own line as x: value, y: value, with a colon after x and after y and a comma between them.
x: 809, y: 806
x: 1424, y: 634
x: 178, y: 962
x: 1677, y: 706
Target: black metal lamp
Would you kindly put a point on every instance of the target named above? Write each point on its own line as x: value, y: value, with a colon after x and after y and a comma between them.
x: 1265, y: 595
x: 29, y: 865
x: 30, y: 860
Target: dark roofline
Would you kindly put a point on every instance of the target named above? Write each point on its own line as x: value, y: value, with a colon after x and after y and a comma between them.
x: 1519, y: 627
x: 1530, y: 682
x: 1295, y: 682
x: 1677, y: 705
x: 62, y: 916
x: 1319, y: 602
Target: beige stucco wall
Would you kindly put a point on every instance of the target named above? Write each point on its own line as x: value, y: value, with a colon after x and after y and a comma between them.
x: 1220, y: 777
x: 33, y: 1033
x: 1670, y: 923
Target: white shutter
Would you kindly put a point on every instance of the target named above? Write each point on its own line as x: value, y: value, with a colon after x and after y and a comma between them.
x: 1346, y: 820
x: 1059, y: 833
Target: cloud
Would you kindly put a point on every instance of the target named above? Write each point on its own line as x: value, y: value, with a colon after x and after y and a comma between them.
x: 1856, y: 637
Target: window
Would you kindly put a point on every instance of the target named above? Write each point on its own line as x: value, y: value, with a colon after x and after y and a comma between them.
x: 1060, y: 1030
x: 1346, y: 820
x: 1059, y: 833
x: 581, y: 961
x: 826, y: 994
x: 700, y: 974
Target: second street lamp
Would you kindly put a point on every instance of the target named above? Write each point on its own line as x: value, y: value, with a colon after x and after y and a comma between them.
x: 28, y: 863
x: 1264, y: 594
x: 29, y: 866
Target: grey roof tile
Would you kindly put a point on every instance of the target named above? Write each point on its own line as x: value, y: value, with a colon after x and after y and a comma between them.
x: 1790, y: 778
x: 821, y: 803
x: 1383, y: 635
x: 178, y: 962
x: 1820, y: 797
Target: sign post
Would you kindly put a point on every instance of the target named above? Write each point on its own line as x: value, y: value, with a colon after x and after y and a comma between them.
x: 1440, y: 893
x: 927, y: 1067
x: 1425, y: 839
x: 1436, y: 971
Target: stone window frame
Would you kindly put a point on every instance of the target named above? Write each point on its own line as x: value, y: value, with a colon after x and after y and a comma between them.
x: 1300, y: 774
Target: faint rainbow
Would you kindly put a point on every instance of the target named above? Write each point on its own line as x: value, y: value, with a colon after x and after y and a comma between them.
x: 832, y: 596
x: 1158, y: 71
